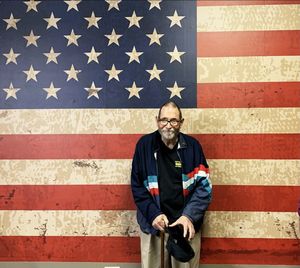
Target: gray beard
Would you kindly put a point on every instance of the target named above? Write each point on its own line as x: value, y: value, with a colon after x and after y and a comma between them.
x: 169, y: 135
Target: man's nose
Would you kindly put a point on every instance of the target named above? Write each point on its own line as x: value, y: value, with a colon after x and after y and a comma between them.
x: 168, y: 125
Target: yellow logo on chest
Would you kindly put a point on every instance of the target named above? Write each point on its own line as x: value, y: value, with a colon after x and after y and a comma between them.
x: 178, y: 164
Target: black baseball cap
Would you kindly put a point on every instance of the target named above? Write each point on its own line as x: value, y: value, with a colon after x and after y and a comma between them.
x: 178, y: 246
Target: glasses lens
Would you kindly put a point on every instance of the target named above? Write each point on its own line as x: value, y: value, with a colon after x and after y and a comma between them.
x: 174, y: 122
x: 163, y: 121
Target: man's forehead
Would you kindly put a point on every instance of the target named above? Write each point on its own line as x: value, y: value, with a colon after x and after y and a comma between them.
x: 169, y: 110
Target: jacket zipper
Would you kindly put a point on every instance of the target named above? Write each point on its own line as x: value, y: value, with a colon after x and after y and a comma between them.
x: 181, y: 173
x: 156, y: 166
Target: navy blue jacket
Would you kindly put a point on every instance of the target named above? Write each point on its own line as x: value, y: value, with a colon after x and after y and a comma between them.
x: 144, y: 180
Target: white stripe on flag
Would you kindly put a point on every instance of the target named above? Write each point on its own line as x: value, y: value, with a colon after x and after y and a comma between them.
x: 120, y: 223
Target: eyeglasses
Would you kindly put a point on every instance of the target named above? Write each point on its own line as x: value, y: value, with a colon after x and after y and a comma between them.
x: 173, y: 122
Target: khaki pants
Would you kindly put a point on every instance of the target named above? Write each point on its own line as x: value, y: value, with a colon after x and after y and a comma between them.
x: 150, y: 251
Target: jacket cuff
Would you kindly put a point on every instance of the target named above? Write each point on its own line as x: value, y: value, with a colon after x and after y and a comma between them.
x: 151, y: 219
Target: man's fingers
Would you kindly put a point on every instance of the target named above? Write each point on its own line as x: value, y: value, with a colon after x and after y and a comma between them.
x: 160, y: 222
x: 191, y: 234
x: 173, y: 224
x: 185, y: 229
x: 188, y: 228
x: 158, y: 226
x: 166, y: 221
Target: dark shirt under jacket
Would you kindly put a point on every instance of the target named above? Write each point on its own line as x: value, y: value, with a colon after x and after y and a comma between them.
x: 170, y: 182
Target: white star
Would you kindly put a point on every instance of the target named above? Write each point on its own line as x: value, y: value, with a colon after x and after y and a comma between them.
x: 175, y: 90
x: 93, y: 91
x: 175, y: 19
x: 31, y: 5
x: 175, y: 55
x: 113, y: 73
x: 72, y: 4
x: 51, y: 91
x: 72, y: 38
x: 134, y: 90
x: 31, y: 74
x: 93, y: 21
x: 93, y: 55
x: 11, y: 22
x: 134, y: 55
x: 154, y: 37
x: 154, y: 73
x: 31, y: 39
x: 134, y: 20
x: 72, y: 73
x: 113, y: 4
x: 113, y: 38
x: 52, y: 56
x: 154, y: 3
x: 11, y: 91
x: 52, y: 21
x: 11, y: 56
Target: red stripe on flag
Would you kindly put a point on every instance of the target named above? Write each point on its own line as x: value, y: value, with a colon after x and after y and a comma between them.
x: 121, y: 146
x: 111, y: 197
x: 256, y: 43
x: 245, y: 2
x: 68, y: 146
x: 126, y: 249
x: 69, y: 249
x: 255, y: 198
x: 250, y: 251
x: 250, y: 146
x: 54, y: 197
x: 248, y: 95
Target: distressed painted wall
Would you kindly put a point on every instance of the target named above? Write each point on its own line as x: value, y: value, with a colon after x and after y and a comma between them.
x: 64, y: 175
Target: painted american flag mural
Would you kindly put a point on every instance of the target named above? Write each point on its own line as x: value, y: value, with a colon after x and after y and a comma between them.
x: 80, y: 82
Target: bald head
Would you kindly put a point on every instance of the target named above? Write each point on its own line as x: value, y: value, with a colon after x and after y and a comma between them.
x: 170, y: 104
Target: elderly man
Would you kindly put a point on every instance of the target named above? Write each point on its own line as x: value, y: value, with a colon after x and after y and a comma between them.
x: 171, y: 187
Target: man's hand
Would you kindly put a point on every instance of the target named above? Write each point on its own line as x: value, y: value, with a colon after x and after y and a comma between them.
x: 188, y: 227
x: 160, y: 222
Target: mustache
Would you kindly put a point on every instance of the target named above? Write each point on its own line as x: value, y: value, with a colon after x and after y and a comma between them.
x: 168, y: 130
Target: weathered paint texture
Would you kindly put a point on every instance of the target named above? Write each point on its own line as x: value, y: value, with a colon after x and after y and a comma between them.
x: 65, y: 196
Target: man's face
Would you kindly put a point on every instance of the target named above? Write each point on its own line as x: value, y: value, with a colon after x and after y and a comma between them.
x: 169, y: 130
